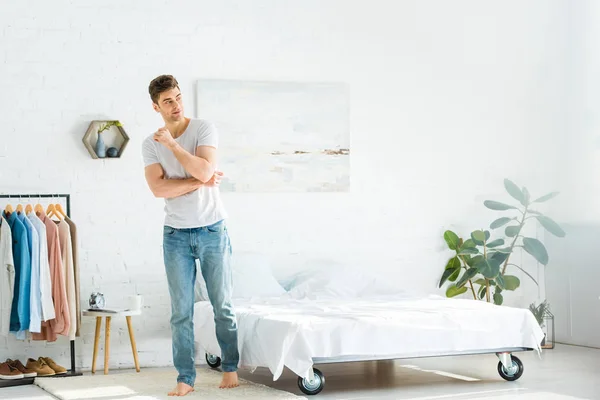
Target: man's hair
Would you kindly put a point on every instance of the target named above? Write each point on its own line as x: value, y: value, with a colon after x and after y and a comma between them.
x: 161, y: 84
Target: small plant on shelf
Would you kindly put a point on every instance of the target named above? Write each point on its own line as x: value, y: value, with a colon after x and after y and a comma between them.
x: 483, y: 263
x: 107, y: 125
x: 100, y: 145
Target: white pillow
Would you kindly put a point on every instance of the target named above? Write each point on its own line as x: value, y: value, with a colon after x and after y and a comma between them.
x: 252, y: 277
x: 338, y: 282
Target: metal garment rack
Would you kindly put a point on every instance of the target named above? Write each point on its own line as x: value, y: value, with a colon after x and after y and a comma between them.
x: 73, y: 371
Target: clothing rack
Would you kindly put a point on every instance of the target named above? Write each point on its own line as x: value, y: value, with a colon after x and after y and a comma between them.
x: 73, y: 371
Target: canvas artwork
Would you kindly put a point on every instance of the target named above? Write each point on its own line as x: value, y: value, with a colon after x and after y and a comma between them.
x: 279, y: 136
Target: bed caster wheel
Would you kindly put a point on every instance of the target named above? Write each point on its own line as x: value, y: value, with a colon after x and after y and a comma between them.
x: 514, y: 372
x: 314, y: 385
x: 213, y: 361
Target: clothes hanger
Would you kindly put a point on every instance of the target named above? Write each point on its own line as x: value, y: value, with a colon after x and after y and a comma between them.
x: 58, y: 211
x: 28, y: 207
x: 51, y: 210
x: 9, y: 208
x: 20, y: 206
x: 59, y: 208
x: 39, y: 210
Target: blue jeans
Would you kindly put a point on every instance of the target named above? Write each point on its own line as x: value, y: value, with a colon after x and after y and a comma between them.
x: 212, y: 247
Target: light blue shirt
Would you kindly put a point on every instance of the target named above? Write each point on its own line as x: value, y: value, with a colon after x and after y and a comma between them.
x: 35, y: 323
x: 45, y: 279
x: 19, y: 316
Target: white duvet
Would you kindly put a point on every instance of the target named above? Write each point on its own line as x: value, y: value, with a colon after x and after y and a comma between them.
x: 280, y: 332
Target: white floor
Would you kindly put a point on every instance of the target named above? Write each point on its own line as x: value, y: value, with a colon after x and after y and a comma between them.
x: 565, y: 373
x: 29, y: 392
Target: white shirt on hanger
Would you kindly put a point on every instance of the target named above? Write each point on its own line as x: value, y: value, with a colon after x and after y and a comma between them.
x: 7, y: 276
x: 45, y: 279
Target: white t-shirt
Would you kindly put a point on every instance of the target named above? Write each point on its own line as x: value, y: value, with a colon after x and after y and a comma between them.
x: 201, y: 207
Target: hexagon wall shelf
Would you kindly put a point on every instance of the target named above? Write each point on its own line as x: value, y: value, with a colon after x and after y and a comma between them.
x: 113, y: 136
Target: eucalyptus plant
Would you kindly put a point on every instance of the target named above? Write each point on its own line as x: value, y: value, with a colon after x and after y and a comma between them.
x: 107, y: 125
x: 482, y: 265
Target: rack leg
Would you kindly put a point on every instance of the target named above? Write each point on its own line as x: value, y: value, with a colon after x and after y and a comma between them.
x: 73, y: 357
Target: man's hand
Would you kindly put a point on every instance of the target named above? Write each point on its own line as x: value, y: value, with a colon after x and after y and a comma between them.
x: 216, y: 179
x: 164, y: 137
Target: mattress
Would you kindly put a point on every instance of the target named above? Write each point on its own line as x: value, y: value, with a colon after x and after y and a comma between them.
x: 279, y: 332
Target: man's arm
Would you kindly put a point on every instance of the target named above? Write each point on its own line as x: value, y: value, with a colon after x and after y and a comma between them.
x: 168, y: 188
x: 201, y: 165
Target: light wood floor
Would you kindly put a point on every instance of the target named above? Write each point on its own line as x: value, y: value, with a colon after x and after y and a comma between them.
x: 565, y: 373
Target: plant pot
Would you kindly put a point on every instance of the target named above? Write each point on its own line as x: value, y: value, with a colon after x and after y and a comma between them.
x: 546, y: 345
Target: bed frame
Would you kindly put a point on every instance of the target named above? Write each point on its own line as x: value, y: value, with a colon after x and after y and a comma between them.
x: 510, y: 367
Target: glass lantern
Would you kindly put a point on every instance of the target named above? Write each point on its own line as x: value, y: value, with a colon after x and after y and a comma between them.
x: 548, y: 329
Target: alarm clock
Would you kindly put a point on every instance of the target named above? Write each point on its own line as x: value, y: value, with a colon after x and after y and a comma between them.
x: 97, y: 301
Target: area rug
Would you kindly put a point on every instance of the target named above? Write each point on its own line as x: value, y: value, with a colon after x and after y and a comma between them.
x: 152, y: 384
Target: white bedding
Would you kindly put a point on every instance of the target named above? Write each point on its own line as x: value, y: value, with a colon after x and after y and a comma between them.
x: 280, y: 332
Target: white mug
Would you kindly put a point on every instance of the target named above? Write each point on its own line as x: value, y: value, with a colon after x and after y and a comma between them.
x: 135, y: 303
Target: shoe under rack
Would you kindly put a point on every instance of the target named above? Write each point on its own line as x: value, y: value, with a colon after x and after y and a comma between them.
x: 29, y: 380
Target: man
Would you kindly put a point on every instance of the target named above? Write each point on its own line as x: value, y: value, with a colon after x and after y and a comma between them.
x: 180, y: 165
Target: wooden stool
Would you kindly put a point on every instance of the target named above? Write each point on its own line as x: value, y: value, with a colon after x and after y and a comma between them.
x: 108, y: 316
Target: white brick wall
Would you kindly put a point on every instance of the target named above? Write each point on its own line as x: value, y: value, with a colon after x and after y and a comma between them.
x: 581, y: 152
x: 448, y: 98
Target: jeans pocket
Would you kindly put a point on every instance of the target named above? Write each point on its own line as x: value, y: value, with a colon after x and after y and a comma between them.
x: 168, y: 231
x: 217, y: 227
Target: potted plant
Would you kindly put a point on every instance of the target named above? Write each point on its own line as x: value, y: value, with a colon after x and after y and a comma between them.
x: 486, y: 264
x: 540, y: 312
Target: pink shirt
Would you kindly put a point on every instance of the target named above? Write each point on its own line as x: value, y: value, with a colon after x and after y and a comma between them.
x: 61, y: 324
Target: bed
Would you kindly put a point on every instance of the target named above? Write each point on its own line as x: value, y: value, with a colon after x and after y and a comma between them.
x: 342, y: 318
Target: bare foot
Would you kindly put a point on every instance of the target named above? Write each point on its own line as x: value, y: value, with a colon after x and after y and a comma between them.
x: 181, y: 389
x: 230, y: 380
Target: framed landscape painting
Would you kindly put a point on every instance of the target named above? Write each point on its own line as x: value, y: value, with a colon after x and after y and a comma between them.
x: 279, y: 136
